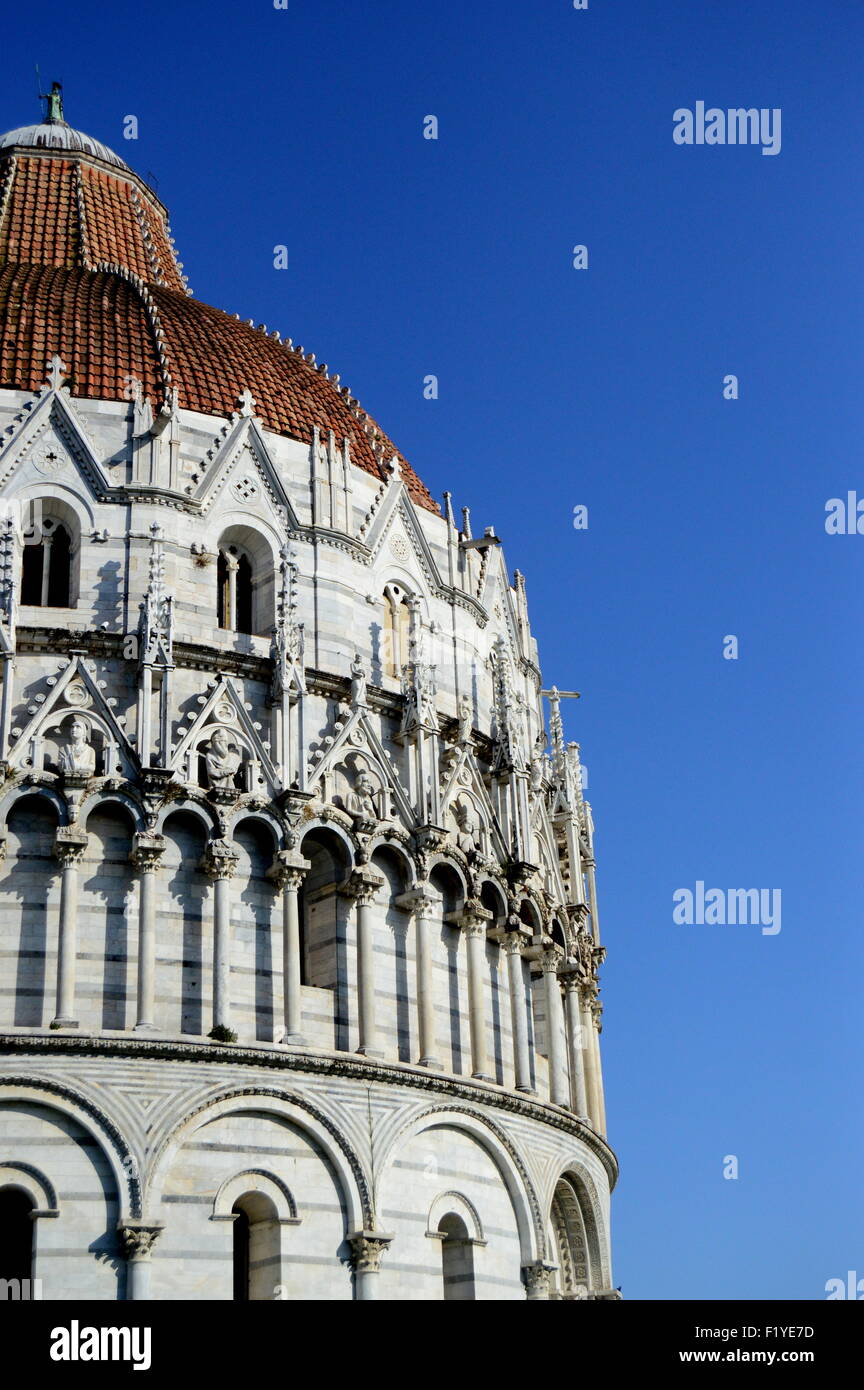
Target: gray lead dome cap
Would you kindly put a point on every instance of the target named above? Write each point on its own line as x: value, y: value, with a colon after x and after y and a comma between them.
x: 57, y: 135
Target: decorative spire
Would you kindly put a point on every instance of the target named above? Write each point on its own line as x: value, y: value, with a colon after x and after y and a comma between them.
x: 157, y: 625
x: 509, y: 711
x: 418, y: 678
x: 287, y: 645
x: 7, y: 584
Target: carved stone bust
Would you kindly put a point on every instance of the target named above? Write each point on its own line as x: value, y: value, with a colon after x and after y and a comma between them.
x: 222, y: 761
x: 467, y: 837
x: 360, y: 802
x: 79, y: 756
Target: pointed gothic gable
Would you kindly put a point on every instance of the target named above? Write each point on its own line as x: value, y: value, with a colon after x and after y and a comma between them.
x: 496, y: 596
x: 242, y: 464
x: 224, y: 708
x: 75, y: 691
x: 464, y: 775
x: 549, y: 855
x: 51, y: 437
x: 357, y: 735
x: 397, y: 511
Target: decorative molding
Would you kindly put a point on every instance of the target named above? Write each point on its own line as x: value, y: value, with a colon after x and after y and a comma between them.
x: 346, y: 1064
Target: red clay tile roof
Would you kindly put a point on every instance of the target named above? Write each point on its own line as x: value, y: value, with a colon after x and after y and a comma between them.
x: 87, y: 271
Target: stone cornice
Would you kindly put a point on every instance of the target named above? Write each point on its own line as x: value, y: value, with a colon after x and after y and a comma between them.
x: 345, y: 1064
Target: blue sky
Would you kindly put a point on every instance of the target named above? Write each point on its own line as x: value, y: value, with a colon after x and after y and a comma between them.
x: 600, y: 387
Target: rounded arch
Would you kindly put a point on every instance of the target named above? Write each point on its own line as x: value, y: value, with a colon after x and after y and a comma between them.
x: 332, y: 839
x: 103, y: 800
x: 494, y: 897
x: 530, y: 914
x: 575, y: 1211
x: 70, y: 505
x: 118, y: 1152
x: 447, y: 1202
x: 255, y: 1180
x: 254, y: 532
x: 557, y: 933
x: 28, y: 1179
x: 22, y: 793
x: 353, y: 1183
x: 410, y: 584
x: 504, y: 1154
x: 449, y: 876
x: 200, y: 811
x: 263, y: 818
x: 393, y: 854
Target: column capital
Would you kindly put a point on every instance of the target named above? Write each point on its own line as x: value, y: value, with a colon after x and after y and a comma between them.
x: 147, y: 850
x: 288, y: 869
x: 537, y: 1279
x: 362, y: 884
x: 139, y: 1237
x: 420, y: 900
x: 515, y: 941
x: 220, y: 859
x: 367, y: 1248
x: 550, y: 960
x: 472, y: 917
x: 70, y: 845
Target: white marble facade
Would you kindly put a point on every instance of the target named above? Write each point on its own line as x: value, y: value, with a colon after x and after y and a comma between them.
x: 297, y: 905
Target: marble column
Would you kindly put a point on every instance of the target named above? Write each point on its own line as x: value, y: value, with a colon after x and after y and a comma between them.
x: 70, y: 846
x: 589, y: 1056
x: 590, y: 869
x: 424, y: 905
x: 578, y: 1092
x: 513, y: 944
x: 475, y: 921
x: 596, y: 1029
x: 232, y: 565
x: 138, y: 1239
x: 146, y: 854
x: 559, y: 1086
x: 288, y: 873
x: 219, y: 863
x: 363, y: 884
x: 367, y: 1248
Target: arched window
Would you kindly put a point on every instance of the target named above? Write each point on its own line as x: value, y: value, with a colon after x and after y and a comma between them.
x: 257, y: 1260
x: 16, y: 1234
x: 235, y: 590
x: 46, y: 566
x: 245, y: 582
x: 397, y: 628
x: 457, y: 1259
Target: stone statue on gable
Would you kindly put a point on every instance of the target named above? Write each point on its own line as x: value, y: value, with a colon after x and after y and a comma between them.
x: 79, y: 756
x: 360, y: 801
x: 222, y: 761
x: 467, y: 837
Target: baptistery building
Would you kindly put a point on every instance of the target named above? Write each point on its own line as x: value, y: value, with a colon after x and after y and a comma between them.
x: 299, y: 941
